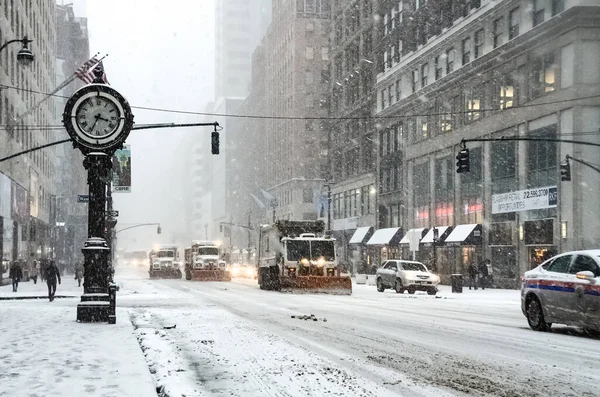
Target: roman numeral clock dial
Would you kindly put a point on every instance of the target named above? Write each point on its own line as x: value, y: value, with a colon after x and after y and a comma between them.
x: 97, y: 117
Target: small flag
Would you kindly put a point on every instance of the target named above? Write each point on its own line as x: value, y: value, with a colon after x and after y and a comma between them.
x: 100, y: 74
x: 258, y: 201
x: 84, y: 72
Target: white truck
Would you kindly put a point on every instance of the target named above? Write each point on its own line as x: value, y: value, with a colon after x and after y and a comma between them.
x: 203, y: 262
x: 165, y: 262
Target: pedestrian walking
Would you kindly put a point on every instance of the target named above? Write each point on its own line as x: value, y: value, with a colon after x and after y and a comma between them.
x: 43, y: 265
x: 79, y: 273
x: 483, y: 273
x: 52, y: 274
x: 472, y: 270
x: 34, y: 269
x: 16, y: 274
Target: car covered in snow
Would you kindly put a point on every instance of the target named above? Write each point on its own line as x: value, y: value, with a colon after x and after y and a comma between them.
x: 408, y: 276
x: 565, y: 289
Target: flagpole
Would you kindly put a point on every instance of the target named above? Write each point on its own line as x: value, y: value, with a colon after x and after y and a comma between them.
x: 48, y: 96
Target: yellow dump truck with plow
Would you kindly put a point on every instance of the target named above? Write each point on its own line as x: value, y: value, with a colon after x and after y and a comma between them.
x: 296, y: 256
x: 203, y: 262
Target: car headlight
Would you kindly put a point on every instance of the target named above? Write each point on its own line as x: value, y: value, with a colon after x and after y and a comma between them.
x: 249, y: 272
x: 235, y: 271
x: 305, y: 262
x: 321, y: 262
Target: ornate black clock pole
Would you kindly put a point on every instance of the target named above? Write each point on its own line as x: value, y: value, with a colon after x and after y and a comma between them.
x: 98, y: 119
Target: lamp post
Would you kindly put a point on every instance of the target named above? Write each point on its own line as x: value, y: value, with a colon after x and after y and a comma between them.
x: 24, y: 56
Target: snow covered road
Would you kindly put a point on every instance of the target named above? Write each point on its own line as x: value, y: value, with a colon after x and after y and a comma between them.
x: 234, y: 339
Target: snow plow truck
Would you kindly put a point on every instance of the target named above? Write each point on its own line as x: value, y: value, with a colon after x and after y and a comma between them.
x: 203, y: 262
x: 296, y: 256
x: 164, y: 262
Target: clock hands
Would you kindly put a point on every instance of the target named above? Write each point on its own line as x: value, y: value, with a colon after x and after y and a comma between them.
x: 95, y: 122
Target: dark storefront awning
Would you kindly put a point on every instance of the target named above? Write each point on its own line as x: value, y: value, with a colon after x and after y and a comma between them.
x: 388, y: 236
x: 465, y: 235
x: 419, y: 231
x: 361, y: 235
x: 443, y: 233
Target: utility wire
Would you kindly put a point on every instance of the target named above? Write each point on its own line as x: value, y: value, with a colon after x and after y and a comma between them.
x: 262, y: 117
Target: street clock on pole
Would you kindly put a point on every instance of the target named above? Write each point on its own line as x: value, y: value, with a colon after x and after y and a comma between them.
x: 97, y: 118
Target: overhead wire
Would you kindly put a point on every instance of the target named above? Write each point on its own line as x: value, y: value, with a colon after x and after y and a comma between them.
x: 370, y: 117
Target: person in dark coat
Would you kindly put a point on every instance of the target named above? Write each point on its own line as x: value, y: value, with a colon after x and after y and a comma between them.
x: 472, y: 270
x: 52, y: 274
x: 483, y: 273
x: 16, y: 274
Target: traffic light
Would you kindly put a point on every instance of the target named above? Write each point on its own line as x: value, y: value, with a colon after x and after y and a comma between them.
x: 463, y: 165
x: 215, y: 142
x: 565, y: 170
x: 158, y: 230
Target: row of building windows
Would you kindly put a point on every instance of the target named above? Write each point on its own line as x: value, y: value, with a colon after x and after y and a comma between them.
x: 471, y: 46
x: 464, y: 105
x: 541, y: 165
x: 354, y: 202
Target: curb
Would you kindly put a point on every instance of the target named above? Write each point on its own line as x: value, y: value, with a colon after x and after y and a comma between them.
x: 12, y: 298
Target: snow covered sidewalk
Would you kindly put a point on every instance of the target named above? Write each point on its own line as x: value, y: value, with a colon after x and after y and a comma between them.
x: 28, y: 289
x: 45, y: 352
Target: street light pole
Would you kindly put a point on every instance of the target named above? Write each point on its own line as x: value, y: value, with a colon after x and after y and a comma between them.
x: 24, y: 56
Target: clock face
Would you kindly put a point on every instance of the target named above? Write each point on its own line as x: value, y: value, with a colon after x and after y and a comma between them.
x: 98, y: 116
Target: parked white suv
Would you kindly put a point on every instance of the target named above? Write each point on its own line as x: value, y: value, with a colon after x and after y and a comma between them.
x: 406, y: 275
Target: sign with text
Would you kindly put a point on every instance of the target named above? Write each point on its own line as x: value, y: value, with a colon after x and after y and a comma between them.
x: 83, y: 198
x: 524, y: 200
x: 121, y: 172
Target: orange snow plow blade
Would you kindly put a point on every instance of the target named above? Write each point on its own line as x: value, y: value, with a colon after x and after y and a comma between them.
x: 160, y: 274
x: 208, y: 275
x: 317, y: 284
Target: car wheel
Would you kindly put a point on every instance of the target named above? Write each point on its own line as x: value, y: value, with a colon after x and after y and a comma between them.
x: 535, y: 316
x: 398, y: 287
x: 380, y: 287
x: 412, y: 289
x: 431, y: 291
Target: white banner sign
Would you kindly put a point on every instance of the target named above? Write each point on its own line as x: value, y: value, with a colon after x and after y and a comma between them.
x: 524, y: 200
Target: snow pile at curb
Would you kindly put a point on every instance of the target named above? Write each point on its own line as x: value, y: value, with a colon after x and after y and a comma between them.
x: 164, y: 363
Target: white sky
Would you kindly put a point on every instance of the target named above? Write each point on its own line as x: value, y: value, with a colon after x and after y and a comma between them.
x: 161, y: 54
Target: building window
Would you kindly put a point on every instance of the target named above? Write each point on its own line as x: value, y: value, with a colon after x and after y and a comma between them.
x: 310, y: 53
x: 471, y: 190
x: 438, y: 67
x: 398, y: 90
x: 503, y: 173
x: 385, y: 25
x: 542, y: 165
x: 391, y: 95
x: 393, y: 55
x: 558, y: 6
x: 538, y: 12
x: 325, y: 53
x: 514, y: 16
x: 415, y: 80
x: 449, y: 60
x: 424, y: 74
x: 423, y: 128
x: 307, y: 195
x: 543, y: 76
x: 309, y: 78
x: 479, y: 42
x: 466, y: 51
x: 472, y: 105
x: 421, y: 194
x: 383, y: 98
x: 498, y: 29
x: 506, y: 93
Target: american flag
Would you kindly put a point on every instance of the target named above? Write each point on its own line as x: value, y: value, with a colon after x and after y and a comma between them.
x: 85, y: 71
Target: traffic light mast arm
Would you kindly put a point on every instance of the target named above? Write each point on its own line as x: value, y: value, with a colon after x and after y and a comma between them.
x: 140, y: 225
x: 584, y: 163
x: 463, y: 141
x: 238, y: 225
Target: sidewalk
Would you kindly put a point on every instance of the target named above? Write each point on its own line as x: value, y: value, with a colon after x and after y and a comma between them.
x: 27, y: 289
x: 45, y: 352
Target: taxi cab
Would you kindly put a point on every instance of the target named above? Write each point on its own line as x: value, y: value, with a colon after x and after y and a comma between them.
x: 565, y: 289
